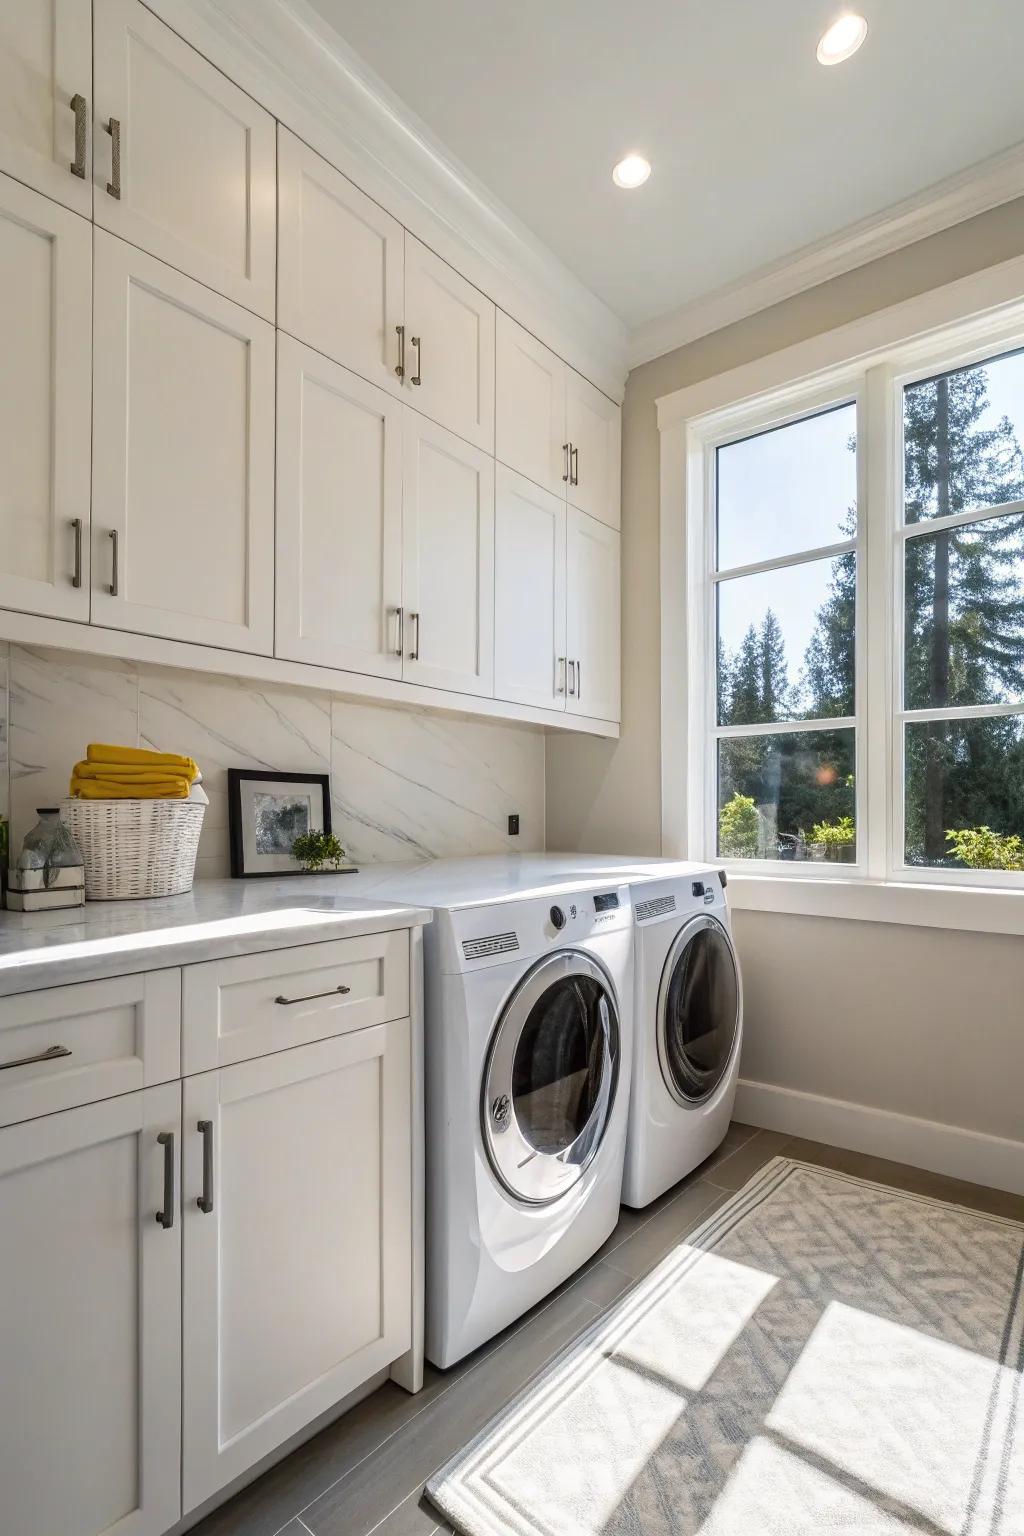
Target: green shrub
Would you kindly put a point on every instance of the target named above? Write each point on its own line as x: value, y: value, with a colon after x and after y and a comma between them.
x: 834, y: 833
x: 739, y: 828
x: 315, y: 849
x: 981, y: 848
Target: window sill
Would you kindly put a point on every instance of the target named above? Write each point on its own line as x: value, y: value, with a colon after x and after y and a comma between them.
x: 974, y: 909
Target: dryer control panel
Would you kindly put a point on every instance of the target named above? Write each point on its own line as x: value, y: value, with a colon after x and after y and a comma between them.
x: 525, y: 928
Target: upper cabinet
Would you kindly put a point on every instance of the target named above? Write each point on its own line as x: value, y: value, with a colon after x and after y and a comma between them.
x: 45, y: 393
x: 554, y: 427
x: 341, y: 266
x: 592, y: 618
x: 183, y: 457
x: 183, y: 160
x: 594, y: 432
x: 45, y: 85
x: 339, y: 516
x: 529, y: 592
x: 448, y: 357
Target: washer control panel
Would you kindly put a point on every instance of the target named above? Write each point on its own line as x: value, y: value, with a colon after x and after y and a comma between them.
x: 519, y: 928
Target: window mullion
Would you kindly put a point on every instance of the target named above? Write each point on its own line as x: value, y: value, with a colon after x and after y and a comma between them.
x: 878, y: 626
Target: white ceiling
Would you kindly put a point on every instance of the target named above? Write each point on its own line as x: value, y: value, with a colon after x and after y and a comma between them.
x: 757, y: 150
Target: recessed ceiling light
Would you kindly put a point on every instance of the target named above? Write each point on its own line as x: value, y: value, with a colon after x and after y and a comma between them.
x: 842, y: 39
x: 632, y: 171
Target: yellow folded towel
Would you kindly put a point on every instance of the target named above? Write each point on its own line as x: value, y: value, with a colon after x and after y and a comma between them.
x: 132, y: 773
x: 113, y: 789
x: 101, y: 752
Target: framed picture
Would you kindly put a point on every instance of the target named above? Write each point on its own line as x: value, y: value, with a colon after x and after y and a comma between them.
x: 267, y: 812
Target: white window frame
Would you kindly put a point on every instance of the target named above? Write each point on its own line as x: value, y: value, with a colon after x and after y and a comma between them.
x: 868, y: 361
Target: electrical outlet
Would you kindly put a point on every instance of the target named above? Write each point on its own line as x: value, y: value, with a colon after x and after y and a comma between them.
x: 513, y: 825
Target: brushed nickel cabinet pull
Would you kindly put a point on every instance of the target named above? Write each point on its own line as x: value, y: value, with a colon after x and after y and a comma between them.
x: 572, y: 679
x: 114, y: 184
x: 311, y: 997
x: 575, y: 476
x: 80, y: 107
x: 414, y: 654
x: 399, y: 614
x: 205, y: 1200
x: 417, y: 377
x: 579, y: 682
x: 400, y: 366
x: 166, y: 1216
x: 113, y: 563
x: 567, y: 450
x: 560, y: 683
x: 50, y: 1054
x: 76, y: 579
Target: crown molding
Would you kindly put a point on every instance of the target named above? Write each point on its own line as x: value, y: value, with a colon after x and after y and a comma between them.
x: 985, y: 185
x: 285, y: 56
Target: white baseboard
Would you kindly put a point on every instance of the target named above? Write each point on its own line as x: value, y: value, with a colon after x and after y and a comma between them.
x: 948, y: 1149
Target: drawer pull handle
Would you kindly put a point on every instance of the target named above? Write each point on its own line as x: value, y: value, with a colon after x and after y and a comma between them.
x: 400, y: 367
x: 80, y: 108
x: 166, y: 1216
x: 286, y: 1002
x: 417, y: 377
x: 205, y: 1201
x: 114, y: 184
x: 50, y: 1054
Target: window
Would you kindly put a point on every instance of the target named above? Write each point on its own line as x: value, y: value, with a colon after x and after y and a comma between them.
x: 853, y: 622
x: 963, y: 618
x: 785, y: 606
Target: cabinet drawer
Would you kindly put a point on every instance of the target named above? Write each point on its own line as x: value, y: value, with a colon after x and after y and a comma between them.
x: 75, y: 1045
x: 237, y: 1009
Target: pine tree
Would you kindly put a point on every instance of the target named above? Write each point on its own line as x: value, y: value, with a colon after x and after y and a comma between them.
x: 745, y: 682
x: 775, y: 694
x: 829, y: 672
x: 753, y: 686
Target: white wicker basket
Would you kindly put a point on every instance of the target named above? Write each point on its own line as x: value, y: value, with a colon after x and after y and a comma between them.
x: 135, y: 848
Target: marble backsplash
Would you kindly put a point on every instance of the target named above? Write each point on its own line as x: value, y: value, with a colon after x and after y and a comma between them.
x: 405, y: 783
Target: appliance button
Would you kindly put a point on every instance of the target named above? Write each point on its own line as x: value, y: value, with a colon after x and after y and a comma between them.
x: 557, y: 917
x: 698, y: 888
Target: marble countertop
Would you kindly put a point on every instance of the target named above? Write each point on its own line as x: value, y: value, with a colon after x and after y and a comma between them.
x: 215, y: 920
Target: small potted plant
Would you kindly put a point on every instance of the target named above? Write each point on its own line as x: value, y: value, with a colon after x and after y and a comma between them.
x: 317, y: 851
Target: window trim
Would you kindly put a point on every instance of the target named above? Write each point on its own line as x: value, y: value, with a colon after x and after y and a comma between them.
x: 962, y: 323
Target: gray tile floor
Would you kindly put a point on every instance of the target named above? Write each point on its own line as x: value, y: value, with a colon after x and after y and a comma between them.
x: 366, y: 1472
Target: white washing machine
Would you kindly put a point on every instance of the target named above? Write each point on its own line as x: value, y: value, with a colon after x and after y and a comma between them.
x: 688, y: 1029
x: 528, y: 1048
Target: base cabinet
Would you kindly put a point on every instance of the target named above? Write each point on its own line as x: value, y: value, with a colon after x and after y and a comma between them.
x: 90, y: 1302
x: 297, y: 1250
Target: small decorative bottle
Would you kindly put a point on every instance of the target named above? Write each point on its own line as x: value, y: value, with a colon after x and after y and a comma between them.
x: 50, y: 871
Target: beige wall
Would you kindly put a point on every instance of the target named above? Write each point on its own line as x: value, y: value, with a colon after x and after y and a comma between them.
x: 918, y: 1021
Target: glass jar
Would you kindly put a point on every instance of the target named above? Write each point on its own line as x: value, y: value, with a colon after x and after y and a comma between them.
x: 49, y: 847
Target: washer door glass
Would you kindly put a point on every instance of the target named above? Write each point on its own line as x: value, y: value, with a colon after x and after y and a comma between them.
x: 698, y: 1010
x: 551, y: 1077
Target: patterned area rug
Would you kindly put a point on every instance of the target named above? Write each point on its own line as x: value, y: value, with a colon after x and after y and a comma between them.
x: 823, y: 1354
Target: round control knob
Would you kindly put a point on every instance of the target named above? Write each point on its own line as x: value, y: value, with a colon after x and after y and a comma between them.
x: 557, y: 917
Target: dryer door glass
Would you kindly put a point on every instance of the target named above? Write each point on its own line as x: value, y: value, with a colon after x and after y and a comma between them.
x: 698, y: 1010
x: 551, y: 1077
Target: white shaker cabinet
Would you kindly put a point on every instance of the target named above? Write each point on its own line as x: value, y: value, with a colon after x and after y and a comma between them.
x: 90, y: 1308
x: 593, y: 428
x: 341, y: 266
x: 529, y: 592
x: 592, y: 619
x: 45, y: 97
x: 183, y: 159
x: 449, y: 346
x: 530, y: 432
x: 339, y: 516
x: 297, y: 1222
x: 447, y: 560
x: 45, y: 405
x: 183, y: 457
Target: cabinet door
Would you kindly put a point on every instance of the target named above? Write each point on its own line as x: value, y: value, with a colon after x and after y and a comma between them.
x: 339, y: 516
x: 90, y: 1320
x: 45, y: 64
x: 45, y: 388
x: 184, y: 161
x: 529, y: 592
x: 593, y: 618
x: 593, y: 427
x: 298, y: 1276
x: 447, y: 560
x: 340, y: 265
x: 183, y: 457
x: 449, y: 346
x: 529, y: 425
